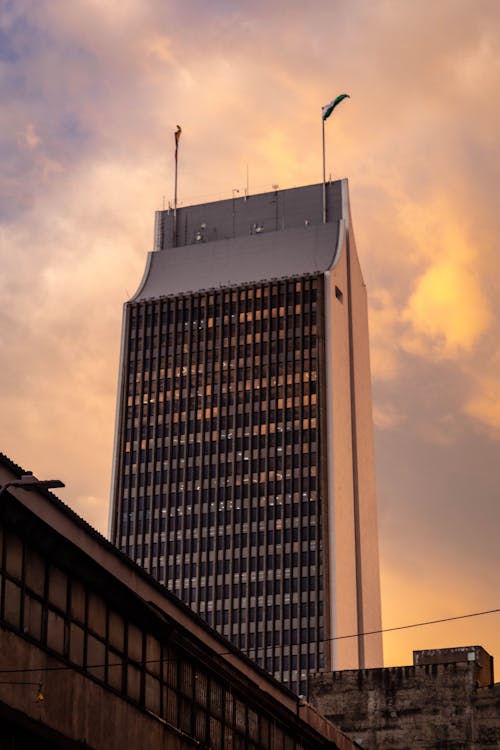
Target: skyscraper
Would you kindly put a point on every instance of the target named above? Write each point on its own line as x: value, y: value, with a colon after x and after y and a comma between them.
x: 243, y: 470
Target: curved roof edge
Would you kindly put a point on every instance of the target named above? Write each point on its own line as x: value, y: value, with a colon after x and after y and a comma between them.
x: 145, y: 277
x: 253, y: 257
x: 344, y: 223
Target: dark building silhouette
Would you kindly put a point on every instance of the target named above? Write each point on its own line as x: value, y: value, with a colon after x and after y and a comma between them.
x: 243, y: 471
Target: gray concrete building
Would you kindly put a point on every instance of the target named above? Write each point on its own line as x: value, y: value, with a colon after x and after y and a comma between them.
x: 95, y: 654
x: 243, y: 473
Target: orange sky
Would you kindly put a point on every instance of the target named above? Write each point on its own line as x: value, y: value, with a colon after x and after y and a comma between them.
x: 91, y: 94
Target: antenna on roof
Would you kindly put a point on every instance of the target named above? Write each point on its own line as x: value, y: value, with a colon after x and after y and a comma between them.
x: 247, y: 189
x: 276, y: 188
x: 235, y: 190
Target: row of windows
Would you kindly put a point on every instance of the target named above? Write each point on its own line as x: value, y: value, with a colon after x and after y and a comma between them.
x: 210, y: 398
x: 206, y: 568
x: 223, y: 377
x: 295, y: 332
x: 210, y: 303
x: 207, y: 446
x: 190, y: 307
x: 221, y: 365
x: 230, y: 321
x: 245, y: 369
x: 227, y: 314
x: 240, y: 494
x: 262, y: 319
x: 209, y: 408
x: 251, y: 463
x: 246, y: 346
x: 280, y: 409
x: 253, y: 375
x: 268, y: 640
x: 271, y: 479
x: 256, y: 550
x: 275, y: 481
x: 253, y: 539
x: 254, y: 643
x: 181, y: 517
x: 261, y: 615
x: 191, y: 500
x: 255, y: 460
x: 188, y: 526
x: 227, y: 339
x: 289, y: 433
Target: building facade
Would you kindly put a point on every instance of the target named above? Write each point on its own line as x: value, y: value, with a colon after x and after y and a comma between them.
x: 243, y: 471
x: 96, y: 654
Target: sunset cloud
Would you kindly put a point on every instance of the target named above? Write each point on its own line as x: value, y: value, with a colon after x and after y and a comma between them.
x: 484, y: 401
x: 385, y: 331
x: 91, y: 94
x: 448, y: 311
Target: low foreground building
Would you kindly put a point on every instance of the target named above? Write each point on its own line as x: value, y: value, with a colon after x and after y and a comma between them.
x: 447, y: 700
x: 94, y: 653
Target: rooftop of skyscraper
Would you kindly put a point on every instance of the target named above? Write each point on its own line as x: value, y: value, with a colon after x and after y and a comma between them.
x: 196, y: 254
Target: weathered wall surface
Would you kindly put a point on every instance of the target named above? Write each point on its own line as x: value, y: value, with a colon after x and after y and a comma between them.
x: 431, y: 707
x: 75, y: 708
x: 487, y: 717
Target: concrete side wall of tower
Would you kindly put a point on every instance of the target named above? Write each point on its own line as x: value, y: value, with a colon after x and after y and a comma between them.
x: 353, y: 558
x: 367, y: 542
x: 341, y: 525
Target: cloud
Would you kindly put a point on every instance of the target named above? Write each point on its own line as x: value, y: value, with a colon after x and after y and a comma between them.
x: 30, y: 137
x: 448, y: 310
x: 483, y: 403
x: 386, y: 416
x: 385, y: 326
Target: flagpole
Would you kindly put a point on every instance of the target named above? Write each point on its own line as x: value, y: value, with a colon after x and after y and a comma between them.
x: 176, y: 136
x: 324, y: 169
x: 326, y: 111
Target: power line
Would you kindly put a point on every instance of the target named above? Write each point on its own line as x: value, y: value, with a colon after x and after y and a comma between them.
x: 404, y: 627
x: 231, y: 653
x: 413, y: 625
x: 17, y: 682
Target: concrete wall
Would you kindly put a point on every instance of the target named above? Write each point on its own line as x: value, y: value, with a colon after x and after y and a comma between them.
x: 352, y: 512
x: 369, y: 602
x: 341, y: 550
x: 74, y: 706
x: 430, y: 707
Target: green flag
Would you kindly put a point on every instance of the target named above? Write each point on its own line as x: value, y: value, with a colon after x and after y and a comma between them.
x: 327, y: 110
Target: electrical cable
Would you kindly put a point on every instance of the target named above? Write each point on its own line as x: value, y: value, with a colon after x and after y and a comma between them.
x: 414, y: 625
